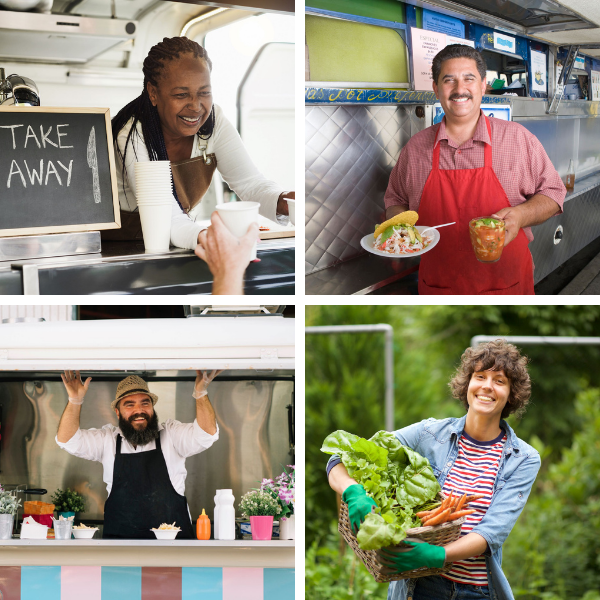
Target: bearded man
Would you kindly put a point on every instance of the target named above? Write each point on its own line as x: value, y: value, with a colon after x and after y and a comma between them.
x: 143, y: 461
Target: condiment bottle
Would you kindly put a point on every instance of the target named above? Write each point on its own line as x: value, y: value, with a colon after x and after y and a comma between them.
x: 216, y: 513
x: 570, y: 183
x: 226, y: 515
x: 203, y: 527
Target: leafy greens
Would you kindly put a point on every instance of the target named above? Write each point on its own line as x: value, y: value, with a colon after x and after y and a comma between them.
x: 400, y: 480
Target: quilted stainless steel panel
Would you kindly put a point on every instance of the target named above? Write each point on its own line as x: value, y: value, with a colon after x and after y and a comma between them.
x: 581, y: 225
x: 349, y: 154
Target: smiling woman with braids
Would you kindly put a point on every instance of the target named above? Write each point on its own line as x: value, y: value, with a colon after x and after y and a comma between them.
x: 174, y: 119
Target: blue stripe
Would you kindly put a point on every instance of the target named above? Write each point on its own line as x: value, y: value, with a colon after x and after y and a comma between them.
x: 201, y: 583
x: 278, y: 584
x: 121, y: 583
x: 40, y: 583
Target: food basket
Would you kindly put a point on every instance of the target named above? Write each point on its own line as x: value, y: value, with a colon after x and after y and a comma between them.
x: 438, y: 535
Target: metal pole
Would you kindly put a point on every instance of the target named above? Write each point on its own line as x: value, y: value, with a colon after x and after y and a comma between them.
x: 538, y: 339
x: 388, y: 330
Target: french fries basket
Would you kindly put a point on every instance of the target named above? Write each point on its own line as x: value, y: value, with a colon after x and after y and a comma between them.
x: 438, y: 535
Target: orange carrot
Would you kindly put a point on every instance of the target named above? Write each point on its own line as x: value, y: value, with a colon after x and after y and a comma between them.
x: 461, y: 502
x: 423, y: 513
x: 459, y: 514
x: 441, y: 518
x: 475, y: 497
x: 435, y: 512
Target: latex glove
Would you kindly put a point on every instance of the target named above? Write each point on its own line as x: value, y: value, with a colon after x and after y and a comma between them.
x: 421, y: 555
x: 203, y: 378
x: 76, y: 389
x: 359, y: 504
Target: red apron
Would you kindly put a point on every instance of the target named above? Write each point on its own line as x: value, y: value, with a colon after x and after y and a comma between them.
x: 451, y: 267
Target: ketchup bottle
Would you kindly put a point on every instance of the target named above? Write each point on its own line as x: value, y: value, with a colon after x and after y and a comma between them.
x: 203, y: 527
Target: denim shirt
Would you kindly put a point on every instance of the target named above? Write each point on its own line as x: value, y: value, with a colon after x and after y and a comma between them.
x: 437, y: 440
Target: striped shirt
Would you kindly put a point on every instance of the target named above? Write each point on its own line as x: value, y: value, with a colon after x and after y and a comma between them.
x: 518, y: 160
x: 474, y: 472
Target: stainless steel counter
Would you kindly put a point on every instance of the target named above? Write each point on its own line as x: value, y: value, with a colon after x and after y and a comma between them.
x: 124, y: 268
x: 163, y: 553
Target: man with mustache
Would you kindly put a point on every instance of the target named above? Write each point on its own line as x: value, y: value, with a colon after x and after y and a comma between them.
x: 470, y: 166
x: 143, y: 461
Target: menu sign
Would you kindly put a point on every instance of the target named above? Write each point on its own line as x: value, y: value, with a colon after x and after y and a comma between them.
x: 425, y: 45
x: 57, y: 170
x: 538, y: 71
x: 595, y: 85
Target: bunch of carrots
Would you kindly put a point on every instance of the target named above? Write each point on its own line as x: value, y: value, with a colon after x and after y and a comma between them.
x: 452, y: 508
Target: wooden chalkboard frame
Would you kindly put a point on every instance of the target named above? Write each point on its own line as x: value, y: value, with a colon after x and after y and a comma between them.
x: 116, y: 223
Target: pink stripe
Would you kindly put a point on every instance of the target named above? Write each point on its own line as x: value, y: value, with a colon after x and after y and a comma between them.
x: 76, y: 581
x: 242, y: 582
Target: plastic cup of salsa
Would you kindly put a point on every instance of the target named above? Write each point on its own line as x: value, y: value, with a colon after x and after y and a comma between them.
x: 487, y: 238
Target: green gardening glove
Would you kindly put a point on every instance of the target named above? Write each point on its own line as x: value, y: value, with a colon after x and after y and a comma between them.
x: 421, y: 555
x: 359, y: 504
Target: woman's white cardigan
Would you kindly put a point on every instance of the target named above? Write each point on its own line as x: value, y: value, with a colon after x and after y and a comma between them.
x: 234, y: 165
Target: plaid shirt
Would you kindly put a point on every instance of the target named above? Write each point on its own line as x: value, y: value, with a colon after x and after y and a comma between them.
x: 522, y: 174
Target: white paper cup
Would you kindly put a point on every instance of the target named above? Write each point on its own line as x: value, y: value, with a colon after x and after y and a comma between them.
x: 237, y: 217
x: 292, y: 209
x: 156, y: 226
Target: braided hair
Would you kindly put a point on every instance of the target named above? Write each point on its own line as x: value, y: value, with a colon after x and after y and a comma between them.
x: 142, y: 110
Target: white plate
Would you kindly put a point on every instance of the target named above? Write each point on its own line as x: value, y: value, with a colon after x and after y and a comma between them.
x: 368, y: 240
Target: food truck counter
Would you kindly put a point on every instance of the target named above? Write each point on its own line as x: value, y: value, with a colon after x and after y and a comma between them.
x: 124, y: 268
x: 164, y: 553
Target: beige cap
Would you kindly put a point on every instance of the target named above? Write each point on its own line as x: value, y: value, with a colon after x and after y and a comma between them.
x: 132, y: 385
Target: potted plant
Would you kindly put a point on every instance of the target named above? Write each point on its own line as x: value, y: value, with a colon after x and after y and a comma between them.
x: 8, y: 507
x: 283, y: 489
x: 260, y: 507
x: 68, y: 502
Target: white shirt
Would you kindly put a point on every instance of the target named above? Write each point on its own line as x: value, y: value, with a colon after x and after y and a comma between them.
x: 234, y: 165
x: 178, y: 441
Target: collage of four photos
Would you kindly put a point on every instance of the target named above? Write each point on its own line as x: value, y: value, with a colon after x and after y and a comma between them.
x: 447, y: 449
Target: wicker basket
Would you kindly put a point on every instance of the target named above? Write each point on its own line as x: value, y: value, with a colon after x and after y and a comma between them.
x: 438, y: 535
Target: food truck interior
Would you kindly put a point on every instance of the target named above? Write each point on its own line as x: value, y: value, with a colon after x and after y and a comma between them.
x: 79, y: 54
x: 254, y: 405
x: 363, y: 103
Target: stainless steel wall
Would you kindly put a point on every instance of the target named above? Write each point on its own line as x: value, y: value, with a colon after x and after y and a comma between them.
x: 349, y: 155
x: 572, y: 134
x: 253, y: 442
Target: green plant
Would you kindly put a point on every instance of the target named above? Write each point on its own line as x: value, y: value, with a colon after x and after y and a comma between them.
x: 68, y: 501
x: 283, y: 489
x: 259, y: 504
x: 8, y: 503
x: 400, y: 480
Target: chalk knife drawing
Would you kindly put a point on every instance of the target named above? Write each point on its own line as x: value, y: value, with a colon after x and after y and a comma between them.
x: 92, y: 160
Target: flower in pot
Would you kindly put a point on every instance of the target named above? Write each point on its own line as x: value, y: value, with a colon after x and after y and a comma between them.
x: 283, y: 490
x: 8, y: 508
x: 260, y: 507
x: 68, y: 502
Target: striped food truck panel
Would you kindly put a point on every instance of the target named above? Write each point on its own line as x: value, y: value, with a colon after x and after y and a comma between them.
x: 145, y: 583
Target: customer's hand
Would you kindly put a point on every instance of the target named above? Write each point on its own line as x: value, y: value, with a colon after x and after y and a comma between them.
x: 76, y: 389
x: 227, y: 256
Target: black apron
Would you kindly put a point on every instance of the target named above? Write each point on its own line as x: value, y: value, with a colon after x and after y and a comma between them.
x: 142, y: 497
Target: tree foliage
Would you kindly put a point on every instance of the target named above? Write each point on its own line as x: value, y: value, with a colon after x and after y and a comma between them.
x: 345, y: 388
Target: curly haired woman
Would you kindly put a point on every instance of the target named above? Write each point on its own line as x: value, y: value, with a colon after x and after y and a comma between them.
x: 476, y: 454
x: 174, y: 118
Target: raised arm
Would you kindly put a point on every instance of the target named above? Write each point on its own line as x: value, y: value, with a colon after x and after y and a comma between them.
x: 76, y: 390
x: 205, y: 414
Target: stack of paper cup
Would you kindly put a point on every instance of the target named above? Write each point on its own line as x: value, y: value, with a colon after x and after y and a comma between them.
x: 238, y: 216
x: 154, y: 194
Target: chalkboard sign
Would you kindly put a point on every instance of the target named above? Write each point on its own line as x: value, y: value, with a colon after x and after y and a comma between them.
x: 57, y: 170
